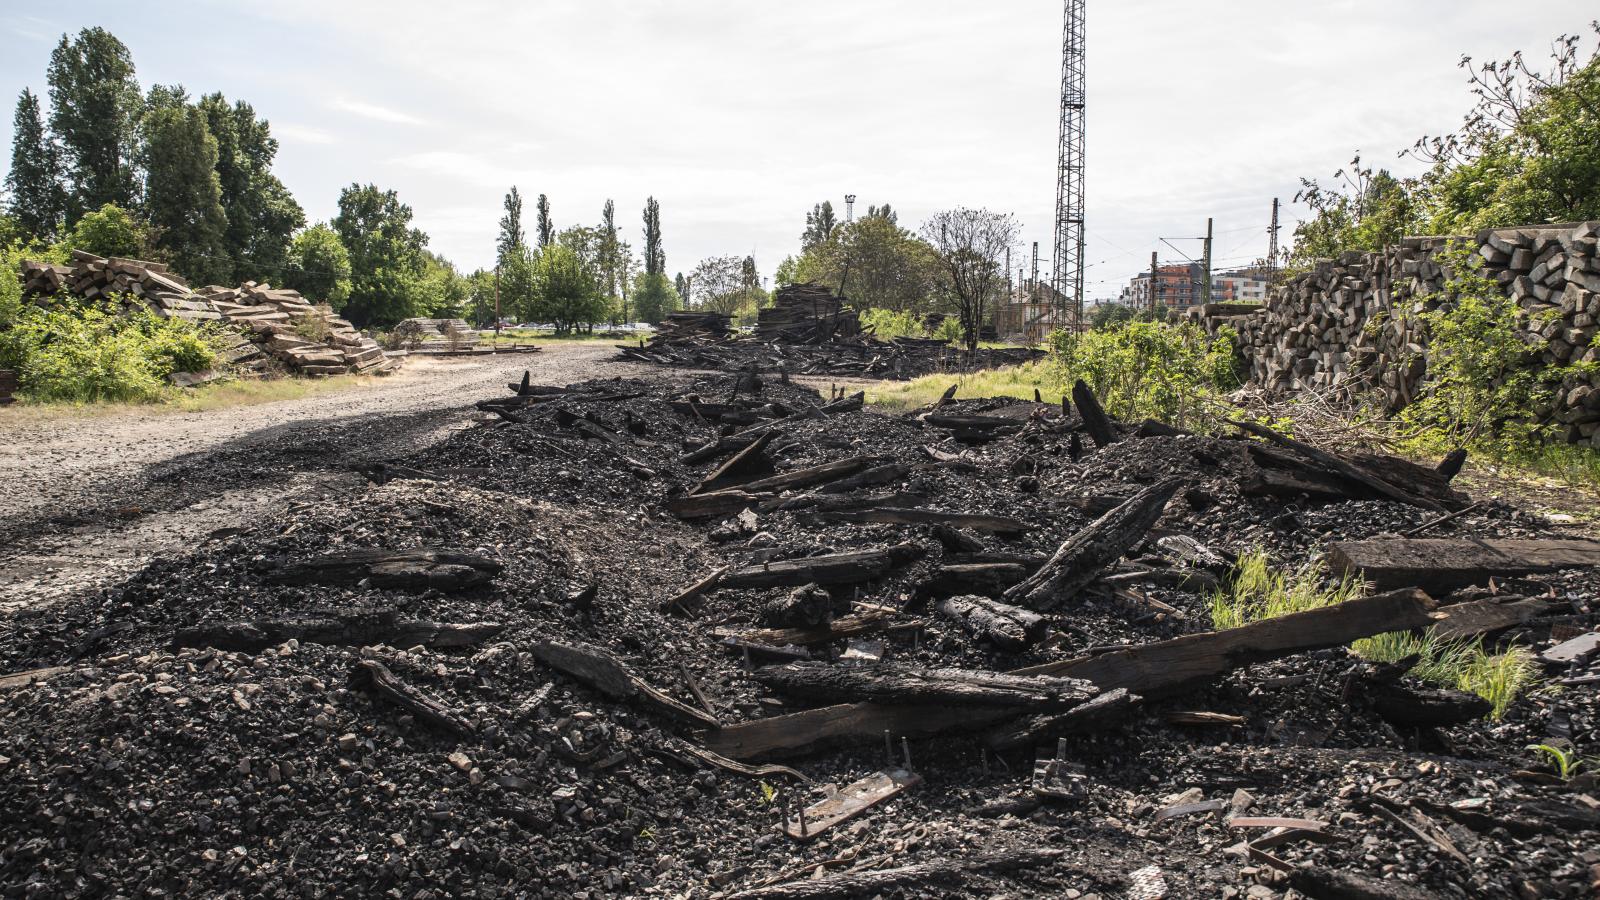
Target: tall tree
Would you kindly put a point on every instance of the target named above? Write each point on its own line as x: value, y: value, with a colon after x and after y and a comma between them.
x: 883, y: 212
x: 610, y: 247
x: 263, y: 216
x: 386, y: 261
x: 819, y: 225
x: 566, y: 293
x: 517, y: 289
x: 183, y: 201
x: 95, y: 105
x: 655, y: 256
x: 547, y: 228
x: 718, y: 284
x: 319, y: 266
x: 968, y: 246
x: 511, y: 233
x: 36, y: 197
x: 681, y: 285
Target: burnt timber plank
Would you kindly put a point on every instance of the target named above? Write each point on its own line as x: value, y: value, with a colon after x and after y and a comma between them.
x: 1440, y: 565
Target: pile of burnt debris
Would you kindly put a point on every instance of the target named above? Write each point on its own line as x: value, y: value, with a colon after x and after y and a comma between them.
x: 721, y: 637
x: 808, y: 331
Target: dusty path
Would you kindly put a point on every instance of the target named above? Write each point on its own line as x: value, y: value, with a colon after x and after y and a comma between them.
x: 87, y: 498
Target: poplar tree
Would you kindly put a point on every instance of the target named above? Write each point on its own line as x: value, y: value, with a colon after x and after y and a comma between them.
x: 37, y: 199
x: 95, y: 106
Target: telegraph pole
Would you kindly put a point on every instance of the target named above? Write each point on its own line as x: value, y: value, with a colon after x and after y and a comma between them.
x: 1154, y: 283
x: 1205, y: 267
x: 1272, y: 246
x: 497, y: 303
x: 1033, y: 280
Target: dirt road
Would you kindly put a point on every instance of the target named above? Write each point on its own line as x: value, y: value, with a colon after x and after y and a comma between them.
x: 87, y: 498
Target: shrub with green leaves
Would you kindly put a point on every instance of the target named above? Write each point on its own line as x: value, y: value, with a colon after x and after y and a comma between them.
x: 1481, y: 390
x: 87, y: 353
x: 886, y: 324
x: 1150, y: 369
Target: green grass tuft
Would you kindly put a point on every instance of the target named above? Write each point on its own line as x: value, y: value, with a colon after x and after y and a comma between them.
x: 1259, y: 591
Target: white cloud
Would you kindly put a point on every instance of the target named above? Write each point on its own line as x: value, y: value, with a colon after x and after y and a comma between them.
x: 373, y: 111
x: 303, y: 134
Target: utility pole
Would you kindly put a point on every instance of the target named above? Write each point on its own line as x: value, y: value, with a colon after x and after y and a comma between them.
x: 1067, y: 257
x: 1033, y: 280
x: 497, y: 303
x: 1205, y: 267
x: 1155, y: 282
x: 1272, y: 246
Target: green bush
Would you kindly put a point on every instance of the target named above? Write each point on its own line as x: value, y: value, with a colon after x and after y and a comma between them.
x: 886, y: 324
x: 1151, y: 370
x: 86, y: 354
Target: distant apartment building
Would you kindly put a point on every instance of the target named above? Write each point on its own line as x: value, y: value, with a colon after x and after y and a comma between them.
x: 1177, y: 285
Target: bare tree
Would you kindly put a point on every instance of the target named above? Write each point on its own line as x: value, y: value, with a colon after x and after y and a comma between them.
x: 968, y: 247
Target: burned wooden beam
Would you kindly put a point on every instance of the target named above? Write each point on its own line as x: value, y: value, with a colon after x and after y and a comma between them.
x: 1082, y: 557
x: 839, y: 629
x: 1330, y: 462
x: 750, y: 461
x: 1108, y: 708
x: 875, y: 475
x: 888, y: 515
x: 714, y: 504
x: 1095, y: 421
x: 443, y: 570
x: 1164, y: 667
x: 372, y: 675
x: 870, y: 883
x: 811, y: 476
x: 1465, y: 621
x: 807, y: 606
x: 834, y: 568
x: 1441, y: 565
x: 355, y: 631
x: 889, y: 683
x: 605, y: 673
x: 1155, y: 669
x: 1008, y: 628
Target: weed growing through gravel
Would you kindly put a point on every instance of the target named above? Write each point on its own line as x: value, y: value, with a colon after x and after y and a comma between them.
x: 1259, y: 591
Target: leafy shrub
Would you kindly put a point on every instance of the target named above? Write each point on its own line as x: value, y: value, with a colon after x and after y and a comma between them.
x: 886, y: 324
x: 87, y: 353
x: 949, y: 330
x: 1149, y: 369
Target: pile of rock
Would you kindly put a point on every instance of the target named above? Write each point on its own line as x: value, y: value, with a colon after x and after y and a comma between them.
x: 1354, y: 324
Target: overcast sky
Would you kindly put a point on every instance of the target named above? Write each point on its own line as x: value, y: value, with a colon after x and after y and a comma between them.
x: 738, y: 116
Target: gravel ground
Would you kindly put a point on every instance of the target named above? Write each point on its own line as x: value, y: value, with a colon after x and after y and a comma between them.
x: 91, y: 496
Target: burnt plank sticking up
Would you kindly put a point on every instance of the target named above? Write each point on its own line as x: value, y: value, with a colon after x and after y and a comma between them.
x: 752, y: 460
x: 1009, y: 628
x: 1082, y: 557
x: 1095, y: 420
x: 1107, y: 709
x: 1160, y: 668
x: 605, y: 673
x: 871, y: 883
x: 376, y: 677
x: 442, y: 570
x: 355, y: 631
x: 890, y: 683
x: 1440, y: 565
x: 833, y: 568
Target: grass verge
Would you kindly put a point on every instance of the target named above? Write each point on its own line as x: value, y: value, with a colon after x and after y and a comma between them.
x: 1015, y: 381
x: 1258, y: 591
x: 202, y: 398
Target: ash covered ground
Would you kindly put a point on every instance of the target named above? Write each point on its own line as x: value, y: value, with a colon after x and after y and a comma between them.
x: 144, y: 760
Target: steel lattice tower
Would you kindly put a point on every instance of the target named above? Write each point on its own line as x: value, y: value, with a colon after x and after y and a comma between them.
x: 1068, y: 260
